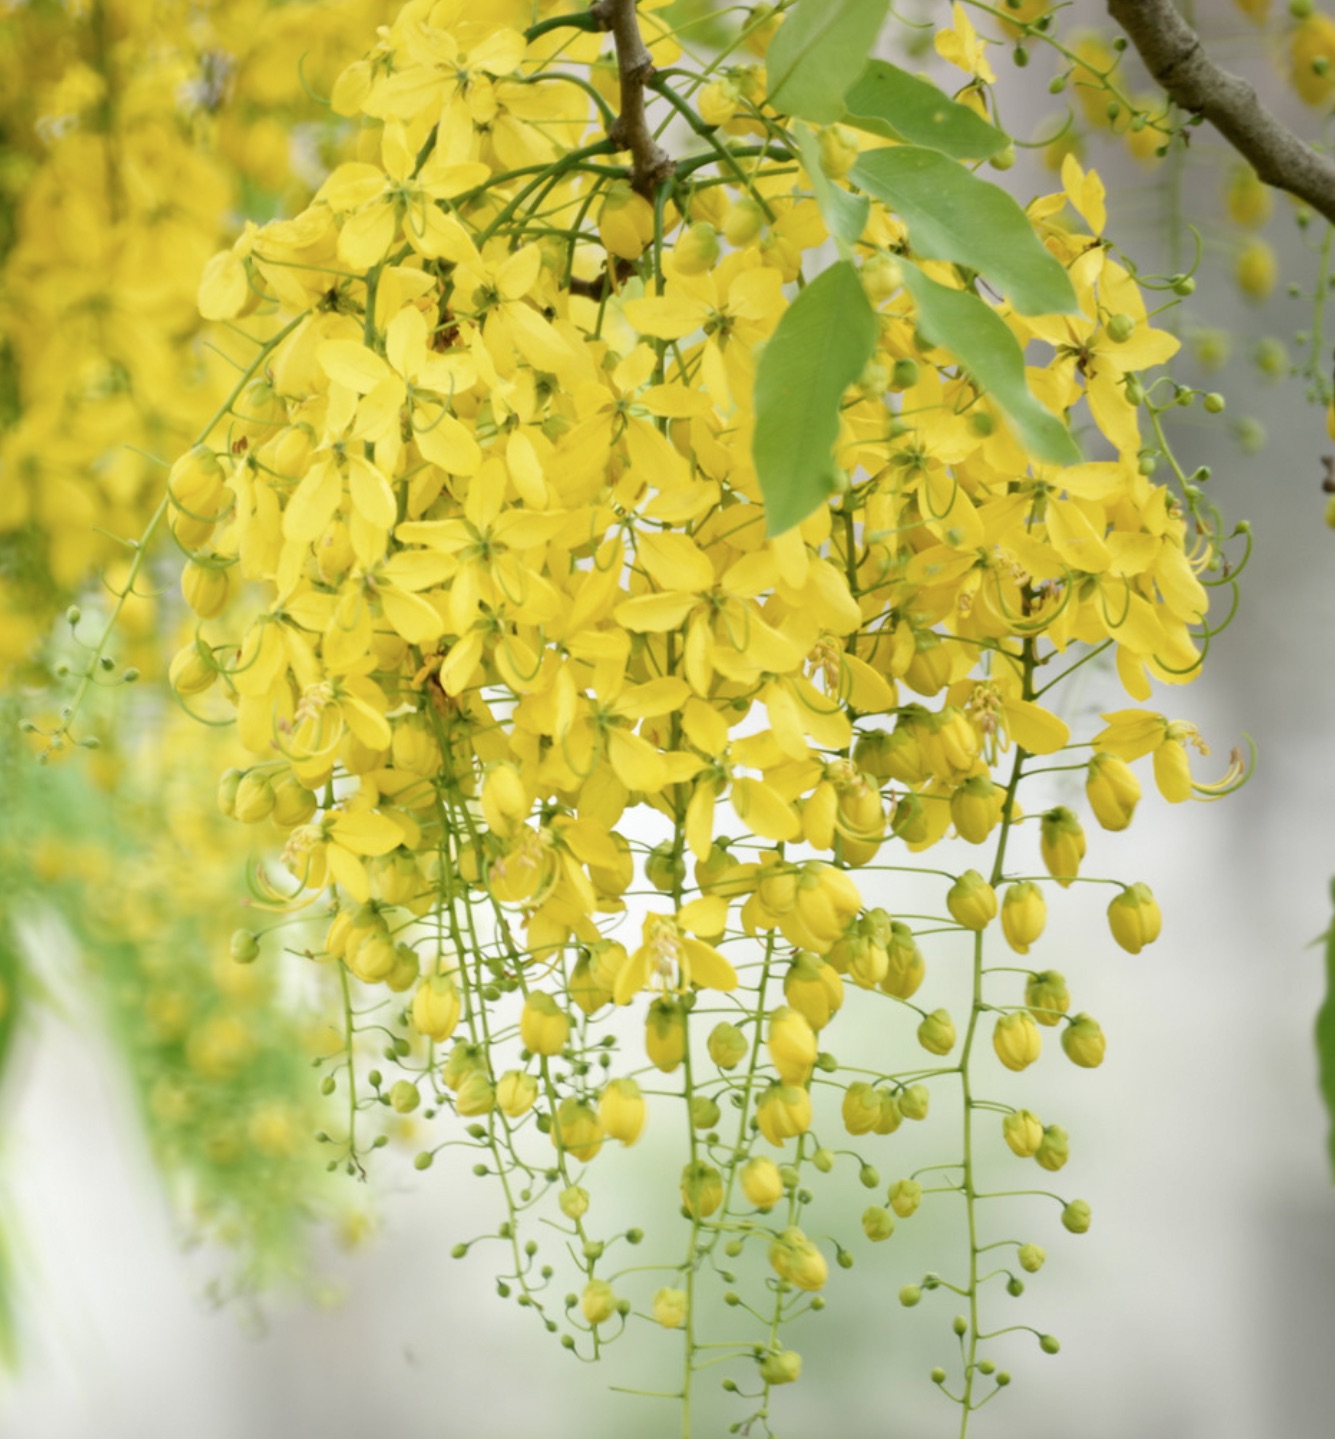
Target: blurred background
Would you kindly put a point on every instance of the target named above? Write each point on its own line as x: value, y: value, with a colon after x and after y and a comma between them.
x: 1200, y: 1303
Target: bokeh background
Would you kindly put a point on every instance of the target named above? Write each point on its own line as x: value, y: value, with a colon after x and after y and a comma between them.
x: 1202, y: 1301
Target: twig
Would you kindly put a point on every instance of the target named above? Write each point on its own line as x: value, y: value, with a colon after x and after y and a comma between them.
x: 1174, y: 55
x: 650, y: 163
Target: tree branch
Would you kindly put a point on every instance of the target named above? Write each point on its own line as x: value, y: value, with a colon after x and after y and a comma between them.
x: 1173, y: 54
x: 650, y: 163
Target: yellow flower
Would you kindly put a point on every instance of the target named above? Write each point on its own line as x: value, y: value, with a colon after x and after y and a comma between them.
x: 672, y: 960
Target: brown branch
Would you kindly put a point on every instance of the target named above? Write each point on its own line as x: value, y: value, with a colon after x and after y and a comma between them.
x: 650, y: 163
x: 1173, y: 54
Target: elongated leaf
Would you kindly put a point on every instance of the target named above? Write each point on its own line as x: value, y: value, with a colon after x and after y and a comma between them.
x: 9, y: 991
x: 953, y: 215
x: 977, y: 336
x: 845, y: 214
x: 1325, y: 1037
x: 886, y: 100
x: 820, y: 49
x: 819, y: 348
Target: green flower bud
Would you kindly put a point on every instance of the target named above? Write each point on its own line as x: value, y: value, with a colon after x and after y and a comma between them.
x: 1120, y: 328
x: 877, y: 1223
x: 1055, y: 1148
x: 1047, y: 996
x: 1077, y: 1216
x: 727, y: 1046
x: 795, y: 1258
x: 1084, y: 1042
x: 781, y: 1367
x: 1023, y: 1132
x: 1031, y: 1257
x: 905, y: 1197
x: 861, y: 1108
x: 913, y: 1101
x: 598, y: 1303
x: 936, y: 1033
x: 704, y: 1112
x: 476, y: 1095
x: 701, y: 1189
x: 669, y: 1308
x: 404, y: 1097
x: 910, y: 1295
x: 574, y: 1202
x: 1049, y: 1344
x: 823, y: 1159
x: 245, y: 946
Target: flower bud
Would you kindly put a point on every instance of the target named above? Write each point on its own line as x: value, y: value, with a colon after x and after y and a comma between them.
x: 881, y: 275
x: 704, y: 1112
x: 783, y: 1112
x: 905, y: 1197
x: 245, y: 946
x: 838, y: 150
x: 622, y: 1110
x: 544, y: 1028
x: 1084, y: 1042
x: 206, y: 588
x: 936, y: 1033
x: 928, y: 672
x: 743, y: 221
x: 406, y: 970
x: 229, y: 784
x: 574, y: 1202
x: 1062, y: 845
x: 718, y: 101
x: 792, y: 1045
x: 783, y: 1366
x: 1023, y: 1132
x: 598, y: 1303
x: 975, y: 808
x: 889, y: 1118
x: 1024, y: 913
x: 1077, y: 1216
x: 813, y: 988
x: 697, y: 249
x: 625, y: 221
x: 972, y: 901
x: 1113, y: 791
x: 293, y: 803
x: 516, y: 1092
x: 913, y: 1101
x: 192, y: 669
x: 701, y: 1189
x: 476, y: 1095
x: 1016, y: 1040
x: 1055, y: 1148
x: 436, y: 1007
x: 1134, y: 918
x: 795, y: 1258
x: 254, y: 798
x: 577, y: 1129
x: 404, y: 1096
x: 727, y: 1046
x: 949, y: 742
x: 905, y: 969
x: 1047, y: 996
x: 584, y: 988
x: 460, y: 1062
x: 665, y: 1035
x: 877, y: 1223
x: 910, y: 1295
x: 762, y: 1183
x: 669, y: 1307
x: 861, y: 1108
x: 1031, y: 1257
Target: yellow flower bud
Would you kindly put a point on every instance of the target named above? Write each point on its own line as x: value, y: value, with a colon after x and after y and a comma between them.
x: 783, y: 1112
x: 544, y: 1028
x: 476, y: 1095
x: 1016, y: 1040
x: 697, y: 249
x: 1055, y: 1148
x: 1023, y: 1132
x: 792, y: 1045
x: 976, y: 807
x: 701, y: 1189
x: 207, y: 588
x: 743, y: 221
x: 1023, y: 915
x: 1084, y: 1042
x: 1172, y: 770
x: 1031, y: 1257
x: 949, y: 743
x: 936, y: 1033
x: 373, y: 959
x: 598, y: 1303
x: 1113, y: 791
x: 813, y: 988
x: 838, y: 150
x: 574, y: 1202
x: 905, y: 969
x: 1247, y: 200
x: 762, y: 1183
x: 254, y: 798
x: 622, y: 1111
x: 905, y: 1196
x: 406, y: 969
x: 625, y: 221
x: 505, y: 801
x: 192, y: 669
x: 928, y: 672
x: 727, y: 1045
x: 881, y: 275
x: 781, y: 1366
x: 669, y: 1307
x: 665, y: 1034
x: 795, y: 1258
x: 460, y: 1062
x: 436, y: 1007
x: 1256, y: 269
x: 718, y: 101
x: 293, y: 803
x: 516, y: 1092
x: 914, y: 1102
x: 1062, y: 845
x: 577, y: 1129
x: 1047, y: 996
x: 889, y: 1117
x: 972, y: 901
x: 861, y: 1108
x: 1134, y: 918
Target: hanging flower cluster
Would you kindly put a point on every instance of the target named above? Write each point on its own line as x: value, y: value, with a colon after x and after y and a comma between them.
x: 597, y: 779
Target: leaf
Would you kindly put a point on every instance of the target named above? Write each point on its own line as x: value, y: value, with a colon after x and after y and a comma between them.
x: 977, y: 336
x: 9, y: 991
x: 1325, y: 1036
x: 888, y: 101
x: 820, y: 47
x: 819, y: 348
x: 845, y: 214
x: 953, y: 215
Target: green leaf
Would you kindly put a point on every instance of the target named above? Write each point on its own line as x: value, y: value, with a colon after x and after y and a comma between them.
x: 1325, y: 1037
x: 978, y: 337
x: 953, y: 215
x: 845, y: 214
x: 9, y: 991
x: 819, y: 348
x: 819, y: 51
x: 888, y: 101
